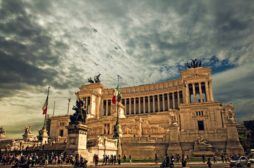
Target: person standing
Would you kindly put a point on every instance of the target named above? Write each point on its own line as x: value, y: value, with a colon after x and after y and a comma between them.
x: 203, y: 158
x: 130, y: 158
x: 96, y: 160
x: 209, y: 163
x: 119, y: 159
x: 167, y: 160
x: 214, y: 159
x: 156, y: 158
x: 114, y: 159
x: 124, y: 158
x: 184, y: 161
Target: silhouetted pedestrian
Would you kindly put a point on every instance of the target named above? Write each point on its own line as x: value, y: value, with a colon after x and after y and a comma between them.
x: 209, y: 163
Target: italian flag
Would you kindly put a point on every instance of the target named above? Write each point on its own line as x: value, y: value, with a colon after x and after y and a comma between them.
x: 45, y: 106
x: 116, y: 95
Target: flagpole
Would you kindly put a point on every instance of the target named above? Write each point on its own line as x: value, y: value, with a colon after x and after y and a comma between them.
x: 54, y: 108
x: 44, y: 125
x: 117, y: 119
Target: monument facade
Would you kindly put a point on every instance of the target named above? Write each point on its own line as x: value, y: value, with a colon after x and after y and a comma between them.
x: 174, y: 117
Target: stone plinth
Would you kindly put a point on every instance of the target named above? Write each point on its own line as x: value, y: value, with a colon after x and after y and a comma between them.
x: 102, y: 146
x: 43, y: 136
x: 200, y: 150
x: 174, y: 141
x: 233, y: 144
x: 77, y: 139
x: 77, y: 142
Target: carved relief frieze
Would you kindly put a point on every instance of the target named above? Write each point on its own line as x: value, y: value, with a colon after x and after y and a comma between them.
x: 93, y: 131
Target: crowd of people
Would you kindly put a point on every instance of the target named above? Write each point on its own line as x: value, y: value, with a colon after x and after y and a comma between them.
x: 111, y: 159
x: 17, y: 160
x: 26, y: 160
x: 169, y: 161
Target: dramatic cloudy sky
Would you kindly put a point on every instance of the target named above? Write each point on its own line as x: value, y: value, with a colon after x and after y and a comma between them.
x: 63, y: 42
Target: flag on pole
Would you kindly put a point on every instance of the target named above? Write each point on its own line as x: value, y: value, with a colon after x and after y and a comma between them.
x: 116, y: 95
x: 45, y: 106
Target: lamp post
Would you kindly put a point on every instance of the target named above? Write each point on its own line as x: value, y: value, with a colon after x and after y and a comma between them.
x: 68, y: 110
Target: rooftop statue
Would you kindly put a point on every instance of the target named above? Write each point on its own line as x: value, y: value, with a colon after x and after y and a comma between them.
x: 90, y: 80
x: 194, y: 63
x: 95, y: 80
x: 80, y: 112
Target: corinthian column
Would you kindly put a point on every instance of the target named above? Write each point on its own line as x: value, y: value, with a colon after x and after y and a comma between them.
x: 163, y: 102
x: 200, y: 92
x: 187, y: 94
x: 106, y: 108
x: 194, y: 91
x: 149, y: 110
x: 207, y: 92
x: 173, y: 100
x: 211, y: 90
x: 153, y: 104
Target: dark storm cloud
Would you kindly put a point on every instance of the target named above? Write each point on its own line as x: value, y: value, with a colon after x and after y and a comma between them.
x: 24, y: 49
x: 205, y: 28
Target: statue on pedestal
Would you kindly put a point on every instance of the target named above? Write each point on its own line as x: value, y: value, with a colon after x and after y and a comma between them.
x: 28, y: 135
x: 202, y: 141
x: 80, y: 114
x: 2, y: 133
x: 230, y: 115
x: 173, y: 119
x: 77, y: 130
x: 43, y: 135
x: 201, y: 144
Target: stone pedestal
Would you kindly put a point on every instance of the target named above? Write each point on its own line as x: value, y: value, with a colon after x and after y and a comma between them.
x: 174, y: 141
x: 233, y: 144
x: 203, y: 150
x: 28, y: 135
x: 77, y: 139
x: 43, y: 136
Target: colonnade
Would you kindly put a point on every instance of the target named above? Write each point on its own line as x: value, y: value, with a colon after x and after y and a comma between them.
x: 199, y: 92
x: 147, y: 104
